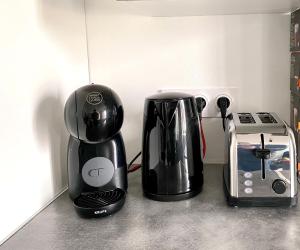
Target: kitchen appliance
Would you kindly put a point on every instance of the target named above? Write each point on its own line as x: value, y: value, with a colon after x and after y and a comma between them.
x: 172, y: 166
x: 261, y: 161
x: 97, y: 168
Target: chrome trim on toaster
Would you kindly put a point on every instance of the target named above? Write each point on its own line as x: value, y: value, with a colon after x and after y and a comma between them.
x: 293, y: 159
x: 233, y: 159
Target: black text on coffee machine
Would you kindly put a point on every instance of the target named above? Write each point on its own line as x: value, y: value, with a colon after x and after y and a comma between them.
x: 97, y: 167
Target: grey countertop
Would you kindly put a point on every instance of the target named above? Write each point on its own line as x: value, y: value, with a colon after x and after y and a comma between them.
x: 203, y: 222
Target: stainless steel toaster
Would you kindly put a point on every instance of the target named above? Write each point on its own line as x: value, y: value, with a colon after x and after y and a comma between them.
x: 260, y: 165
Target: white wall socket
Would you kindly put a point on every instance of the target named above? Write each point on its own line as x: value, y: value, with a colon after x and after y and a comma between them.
x: 211, y: 95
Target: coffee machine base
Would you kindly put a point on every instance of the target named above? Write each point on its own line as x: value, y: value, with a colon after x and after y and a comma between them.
x: 99, y: 204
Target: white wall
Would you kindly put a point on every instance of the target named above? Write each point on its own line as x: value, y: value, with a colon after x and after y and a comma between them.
x: 43, y: 59
x: 137, y: 55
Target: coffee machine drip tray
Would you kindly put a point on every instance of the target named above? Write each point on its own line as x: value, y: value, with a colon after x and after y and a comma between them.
x: 98, y: 204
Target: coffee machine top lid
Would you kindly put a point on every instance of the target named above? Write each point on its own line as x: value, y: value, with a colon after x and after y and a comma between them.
x: 169, y: 96
x: 93, y: 113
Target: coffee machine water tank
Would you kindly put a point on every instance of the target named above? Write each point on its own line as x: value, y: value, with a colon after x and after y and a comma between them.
x: 172, y: 166
x: 97, y: 168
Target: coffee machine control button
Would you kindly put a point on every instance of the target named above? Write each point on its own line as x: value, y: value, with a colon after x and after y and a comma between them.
x: 279, y: 186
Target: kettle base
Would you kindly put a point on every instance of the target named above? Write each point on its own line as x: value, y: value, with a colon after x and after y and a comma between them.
x: 172, y: 197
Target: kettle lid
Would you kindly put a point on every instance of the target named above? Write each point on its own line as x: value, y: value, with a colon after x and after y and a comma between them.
x: 170, y: 96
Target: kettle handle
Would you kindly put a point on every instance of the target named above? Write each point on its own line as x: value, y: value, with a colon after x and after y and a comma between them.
x: 203, y: 138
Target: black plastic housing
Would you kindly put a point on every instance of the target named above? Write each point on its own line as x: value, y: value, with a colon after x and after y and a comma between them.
x: 79, y: 153
x: 97, y: 168
x: 93, y: 113
x: 172, y: 166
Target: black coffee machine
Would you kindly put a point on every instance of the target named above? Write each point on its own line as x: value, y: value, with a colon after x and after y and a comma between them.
x: 97, y: 168
x: 172, y: 166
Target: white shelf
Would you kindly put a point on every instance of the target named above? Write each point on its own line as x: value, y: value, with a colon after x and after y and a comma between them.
x: 195, y: 7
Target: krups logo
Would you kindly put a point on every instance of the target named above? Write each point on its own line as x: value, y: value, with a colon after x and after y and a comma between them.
x: 94, y: 98
x: 95, y: 172
x: 100, y: 211
x: 98, y: 171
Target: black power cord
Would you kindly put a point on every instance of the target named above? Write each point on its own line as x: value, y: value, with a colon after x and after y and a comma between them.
x: 223, y: 103
x: 201, y: 104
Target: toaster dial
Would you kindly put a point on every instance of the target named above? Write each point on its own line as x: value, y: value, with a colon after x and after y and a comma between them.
x: 279, y: 186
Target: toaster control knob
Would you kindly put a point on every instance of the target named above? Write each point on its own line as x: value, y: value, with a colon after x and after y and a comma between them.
x: 279, y: 186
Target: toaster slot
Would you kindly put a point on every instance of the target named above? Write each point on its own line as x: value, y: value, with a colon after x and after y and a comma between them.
x: 266, y: 118
x: 263, y: 166
x: 246, y: 118
x: 263, y: 154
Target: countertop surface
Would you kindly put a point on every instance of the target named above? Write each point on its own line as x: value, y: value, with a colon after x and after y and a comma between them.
x: 203, y: 222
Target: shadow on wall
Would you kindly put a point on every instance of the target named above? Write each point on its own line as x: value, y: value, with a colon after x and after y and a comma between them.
x: 62, y: 23
x: 51, y: 134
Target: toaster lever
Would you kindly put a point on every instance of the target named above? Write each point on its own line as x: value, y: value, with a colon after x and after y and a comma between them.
x: 262, y: 153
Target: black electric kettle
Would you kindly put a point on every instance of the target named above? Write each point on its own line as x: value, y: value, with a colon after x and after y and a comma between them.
x: 172, y: 165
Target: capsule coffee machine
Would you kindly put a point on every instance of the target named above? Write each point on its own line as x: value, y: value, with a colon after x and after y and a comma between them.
x: 97, y: 168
